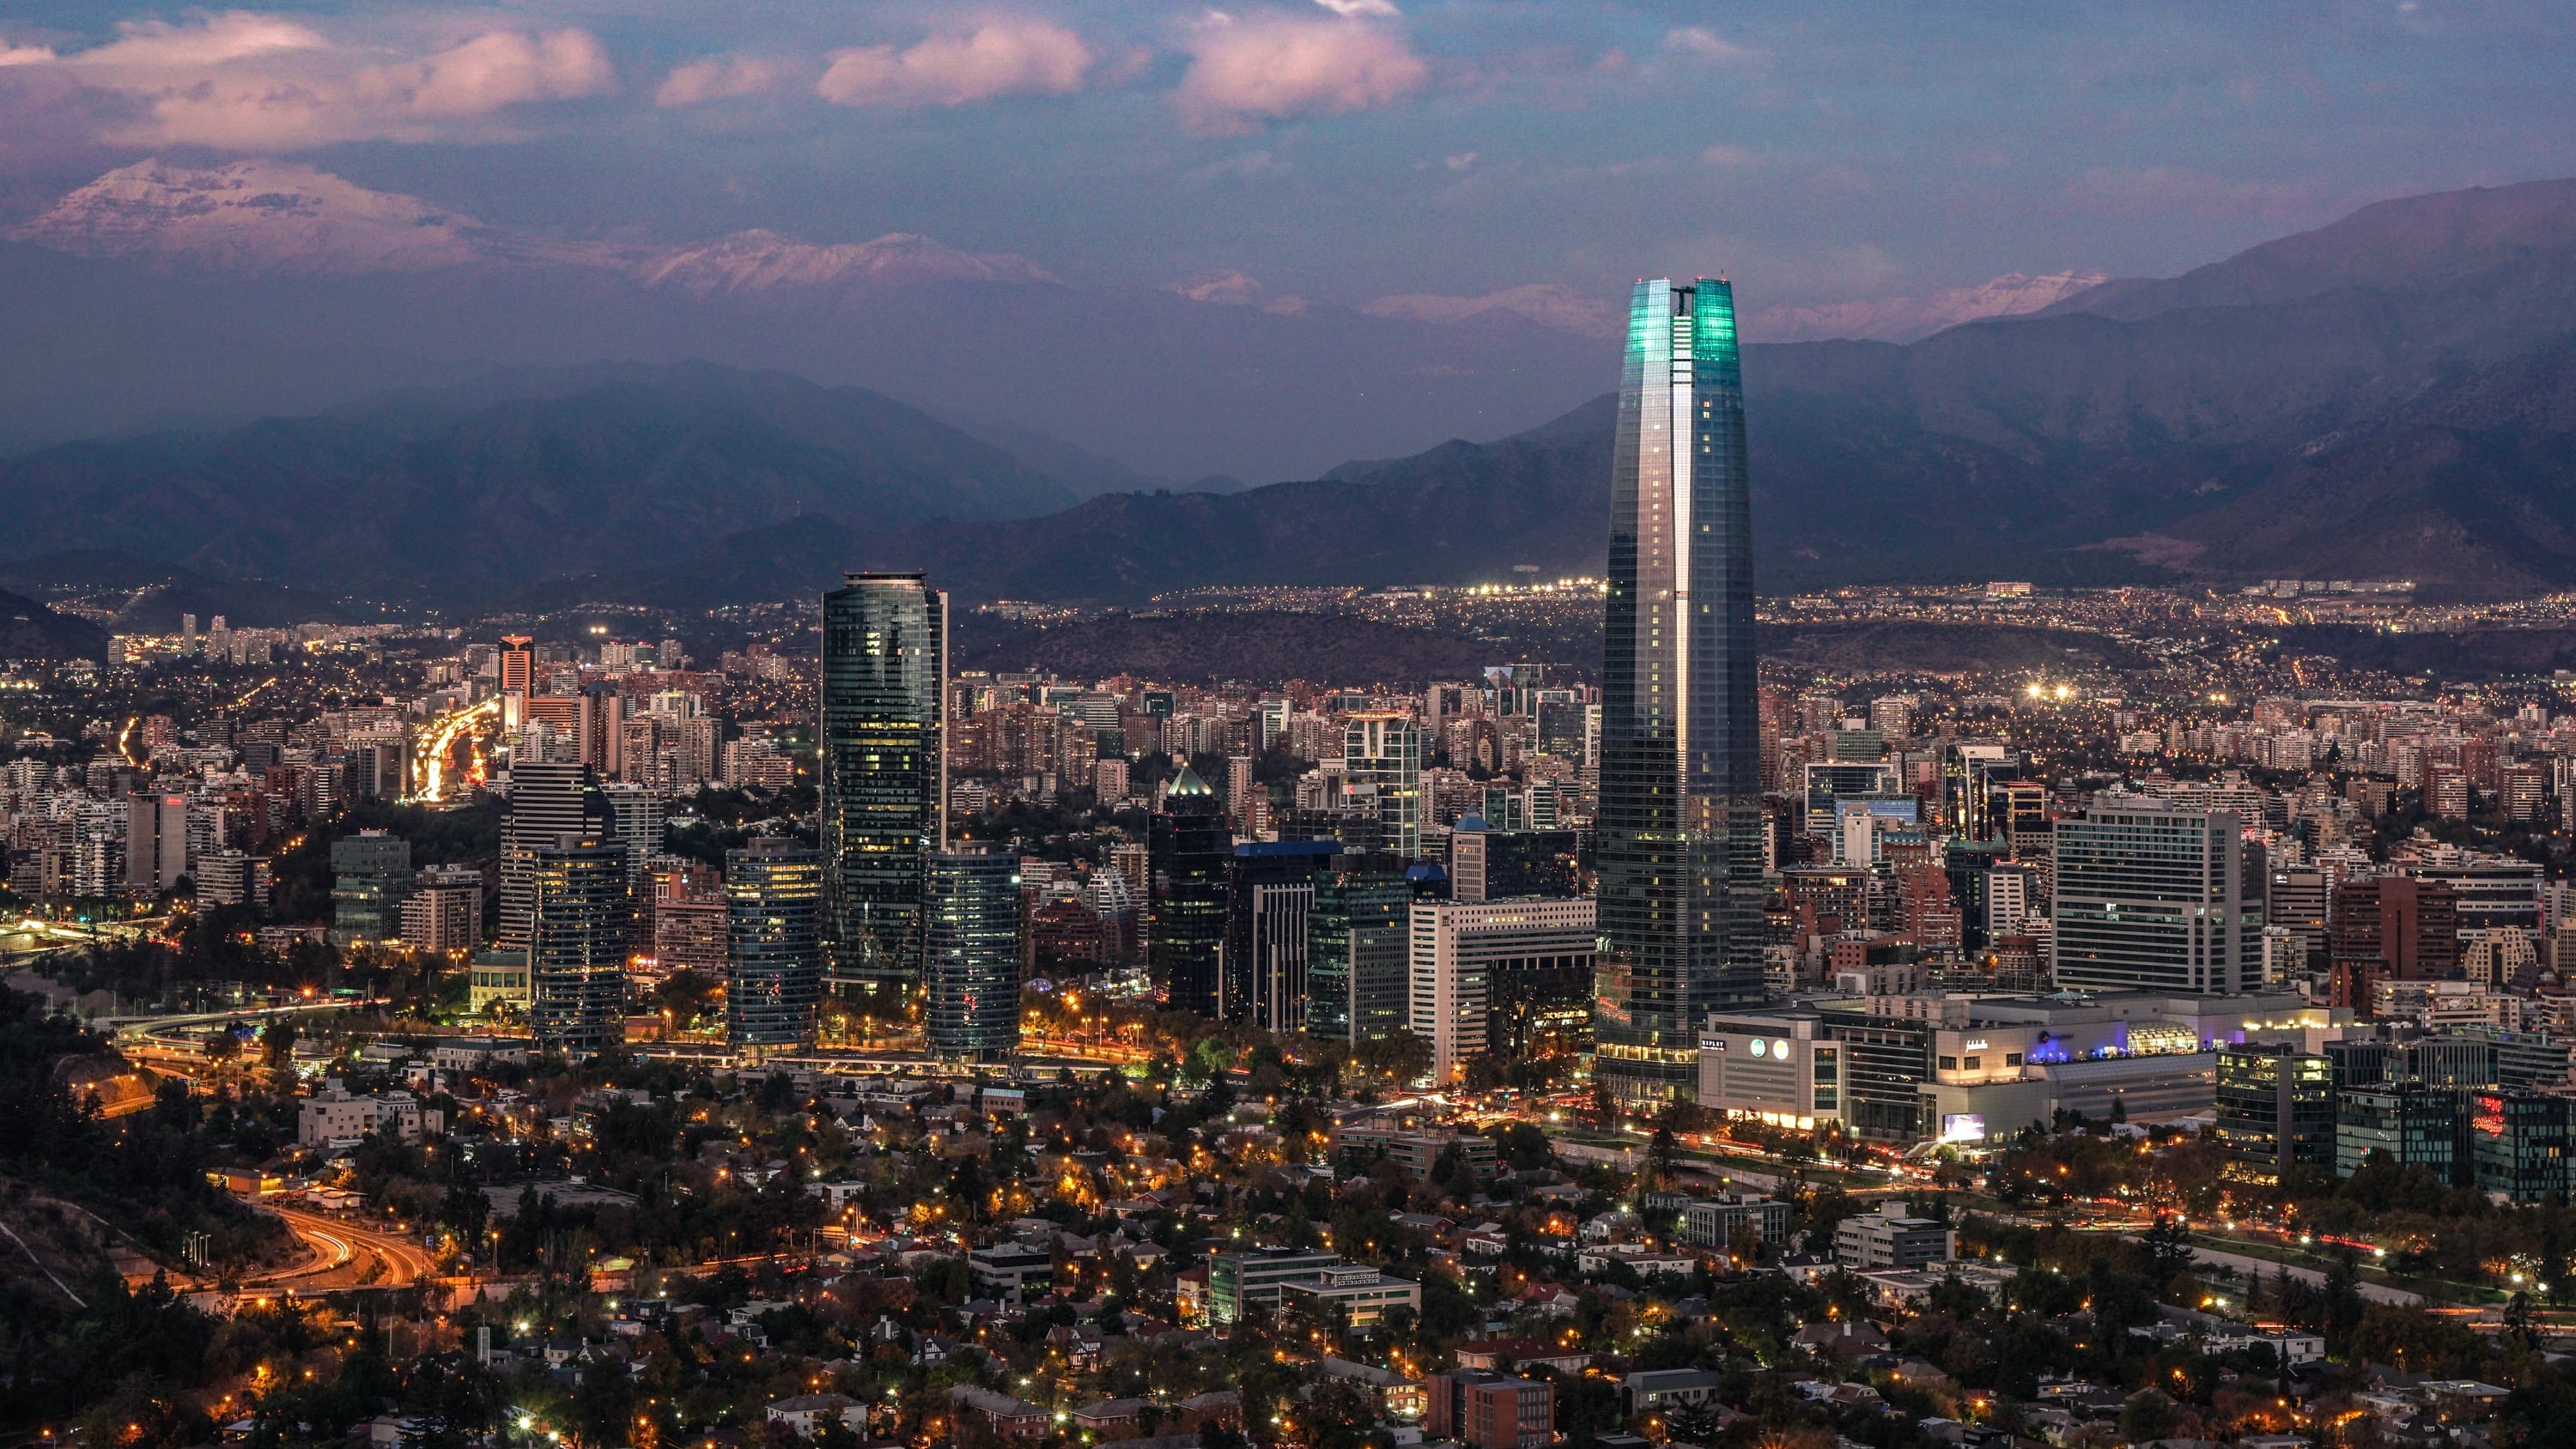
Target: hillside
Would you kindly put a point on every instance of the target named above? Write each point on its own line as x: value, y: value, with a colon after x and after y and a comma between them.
x: 455, y: 497
x: 29, y: 630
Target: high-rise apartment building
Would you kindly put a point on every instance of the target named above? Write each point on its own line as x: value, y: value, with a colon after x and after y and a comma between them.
x: 1191, y: 852
x: 444, y: 913
x: 972, y: 911
x: 156, y: 840
x: 773, y: 943
x: 2391, y: 928
x: 1505, y: 978
x: 1382, y: 764
x: 1680, y: 817
x: 2151, y: 897
x: 581, y: 917
x: 884, y: 769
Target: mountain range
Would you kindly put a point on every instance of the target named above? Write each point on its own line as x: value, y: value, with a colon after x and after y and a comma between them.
x: 2390, y: 396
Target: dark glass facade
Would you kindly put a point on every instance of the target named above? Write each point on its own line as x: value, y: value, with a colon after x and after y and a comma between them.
x: 773, y: 943
x: 2276, y: 1110
x: 972, y: 937
x: 1270, y: 900
x: 1358, y: 939
x: 1189, y: 858
x: 884, y: 767
x: 1679, y: 851
x: 582, y: 915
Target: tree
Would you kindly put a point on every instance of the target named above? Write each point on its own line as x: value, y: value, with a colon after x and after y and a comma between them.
x: 2168, y: 1245
x: 2148, y: 1414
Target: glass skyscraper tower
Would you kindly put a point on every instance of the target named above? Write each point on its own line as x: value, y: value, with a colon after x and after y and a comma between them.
x: 581, y: 917
x: 773, y: 943
x: 973, y: 949
x: 1679, y: 848
x: 885, y: 769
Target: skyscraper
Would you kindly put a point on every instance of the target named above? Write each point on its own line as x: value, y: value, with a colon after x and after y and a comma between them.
x: 547, y: 801
x: 1382, y: 764
x: 1357, y: 936
x: 773, y: 942
x: 885, y: 769
x: 971, y: 909
x: 1270, y: 894
x: 1190, y: 853
x: 1680, y: 847
x: 581, y: 916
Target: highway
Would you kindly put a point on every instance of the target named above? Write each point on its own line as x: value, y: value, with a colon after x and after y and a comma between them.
x: 345, y: 1256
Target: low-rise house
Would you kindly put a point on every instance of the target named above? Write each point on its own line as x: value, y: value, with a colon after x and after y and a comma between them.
x: 1637, y: 1256
x: 1655, y: 1391
x: 808, y: 1413
x: 1007, y: 1416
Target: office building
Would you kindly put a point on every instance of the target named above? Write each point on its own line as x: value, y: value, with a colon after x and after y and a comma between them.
x: 2276, y: 1110
x: 773, y: 894
x: 444, y: 913
x: 2414, y: 1124
x: 1714, y: 1223
x: 2154, y: 898
x: 1892, y: 1238
x: 884, y: 769
x: 1359, y: 934
x: 1679, y: 822
x: 1241, y: 1284
x: 1349, y: 1293
x: 371, y: 876
x: 581, y: 919
x: 1507, y: 978
x: 1495, y: 865
x: 517, y: 665
x: 1382, y: 765
x: 1191, y: 854
x: 972, y: 946
x: 2520, y: 1144
x: 1270, y: 901
x: 548, y: 800
x: 1782, y: 1068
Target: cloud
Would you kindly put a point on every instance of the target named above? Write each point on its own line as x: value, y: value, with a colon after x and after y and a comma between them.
x: 26, y: 54
x: 215, y: 40
x: 244, y: 82
x: 1270, y: 67
x: 1700, y: 43
x: 1359, y: 9
x: 1003, y: 58
x: 1728, y: 157
x: 724, y: 78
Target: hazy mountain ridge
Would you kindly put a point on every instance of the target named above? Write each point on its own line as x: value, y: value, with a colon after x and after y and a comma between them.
x: 424, y: 500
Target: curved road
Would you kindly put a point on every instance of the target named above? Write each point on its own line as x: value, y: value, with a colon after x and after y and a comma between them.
x: 346, y: 1256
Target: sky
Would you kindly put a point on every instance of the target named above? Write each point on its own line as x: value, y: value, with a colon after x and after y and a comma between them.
x: 1347, y: 149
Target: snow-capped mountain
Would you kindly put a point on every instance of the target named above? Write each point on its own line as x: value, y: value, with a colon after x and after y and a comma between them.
x: 266, y: 217
x: 750, y: 262
x: 1904, y: 319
